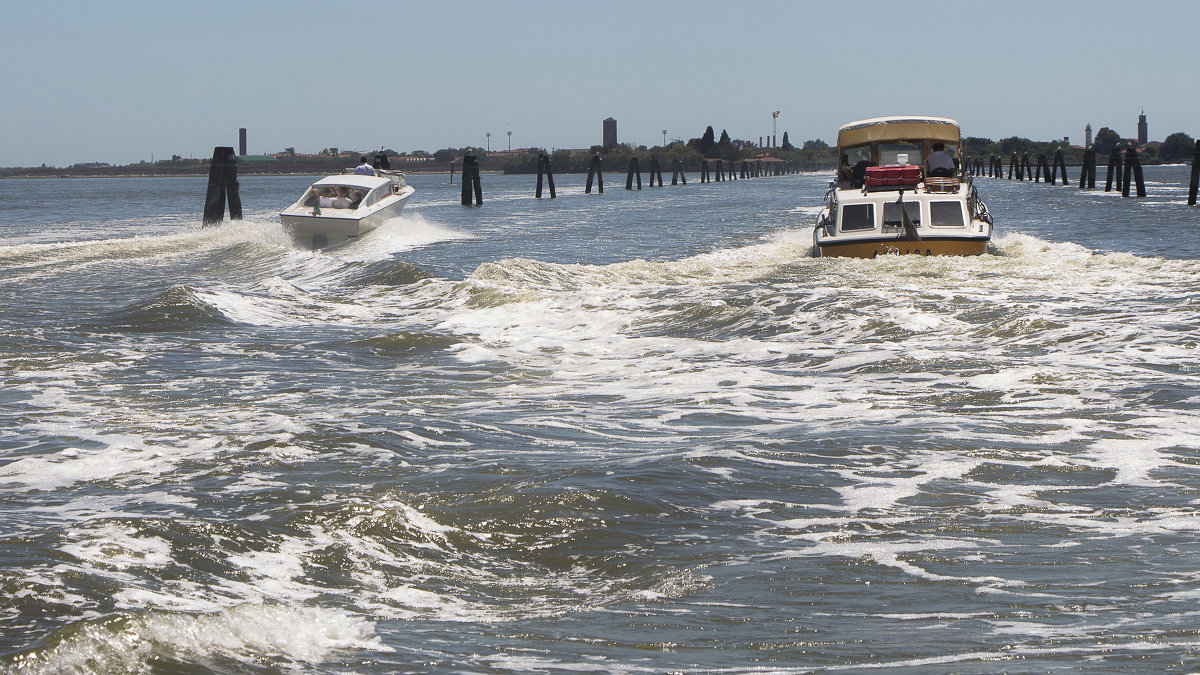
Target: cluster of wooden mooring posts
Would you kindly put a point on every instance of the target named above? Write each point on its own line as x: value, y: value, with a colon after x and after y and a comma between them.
x: 222, y: 185
x: 1123, y: 172
x: 472, y: 193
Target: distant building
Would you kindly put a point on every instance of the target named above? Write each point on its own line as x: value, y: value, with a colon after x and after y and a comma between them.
x: 242, y: 141
x: 1087, y: 137
x: 610, y: 133
x: 1143, y: 129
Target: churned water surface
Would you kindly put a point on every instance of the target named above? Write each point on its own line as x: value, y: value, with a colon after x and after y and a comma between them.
x: 636, y: 432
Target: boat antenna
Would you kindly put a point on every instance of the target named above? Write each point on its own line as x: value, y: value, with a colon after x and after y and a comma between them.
x: 910, y: 230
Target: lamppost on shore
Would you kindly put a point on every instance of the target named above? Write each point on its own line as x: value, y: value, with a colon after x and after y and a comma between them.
x: 774, y: 116
x: 664, y: 138
x: 510, y: 141
x: 489, y: 141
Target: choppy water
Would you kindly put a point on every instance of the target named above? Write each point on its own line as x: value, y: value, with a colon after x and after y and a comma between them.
x: 640, y: 432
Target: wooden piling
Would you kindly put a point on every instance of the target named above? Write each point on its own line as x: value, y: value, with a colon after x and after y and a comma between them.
x: 1133, y: 173
x: 1087, y: 175
x: 677, y: 173
x: 1058, y: 165
x: 544, y: 167
x: 222, y: 185
x: 704, y: 171
x: 470, y: 181
x: 633, y: 169
x: 1195, y: 182
x: 1114, y: 168
x: 594, y: 172
x: 655, y: 171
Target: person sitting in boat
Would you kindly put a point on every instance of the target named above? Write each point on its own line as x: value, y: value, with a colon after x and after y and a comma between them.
x: 326, y: 198
x: 343, y: 200
x: 858, y: 174
x: 941, y: 164
x: 364, y: 169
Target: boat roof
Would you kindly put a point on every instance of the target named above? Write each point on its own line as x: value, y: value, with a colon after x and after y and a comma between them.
x: 353, y: 180
x: 898, y: 128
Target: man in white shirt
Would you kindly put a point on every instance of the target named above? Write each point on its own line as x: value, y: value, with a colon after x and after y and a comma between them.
x: 364, y: 169
x: 940, y: 162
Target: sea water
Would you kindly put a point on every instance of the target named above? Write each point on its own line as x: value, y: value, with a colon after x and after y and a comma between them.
x: 638, y: 432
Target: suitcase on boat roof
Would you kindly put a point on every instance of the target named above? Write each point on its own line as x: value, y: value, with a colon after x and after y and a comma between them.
x: 892, y: 176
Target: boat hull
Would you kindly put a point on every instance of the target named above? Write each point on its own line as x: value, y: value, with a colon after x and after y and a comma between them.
x: 925, y: 246
x: 331, y: 228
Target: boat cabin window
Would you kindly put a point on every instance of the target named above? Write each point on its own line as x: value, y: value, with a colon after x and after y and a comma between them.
x: 891, y: 214
x: 858, y: 217
x: 946, y: 214
x: 900, y: 152
x: 859, y: 153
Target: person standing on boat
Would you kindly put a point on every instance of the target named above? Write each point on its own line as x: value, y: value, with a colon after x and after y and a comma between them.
x: 940, y: 162
x: 364, y: 169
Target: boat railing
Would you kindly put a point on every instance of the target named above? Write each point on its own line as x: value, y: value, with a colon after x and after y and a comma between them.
x: 942, y: 185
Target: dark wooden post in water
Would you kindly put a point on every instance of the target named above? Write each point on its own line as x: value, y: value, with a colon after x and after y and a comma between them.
x: 544, y: 166
x: 655, y: 171
x: 1195, y: 182
x: 222, y: 184
x: 704, y: 171
x: 1133, y: 172
x: 470, y: 181
x: 1012, y: 166
x: 633, y: 169
x: 1114, y: 167
x: 1087, y: 177
x: 594, y: 171
x: 677, y: 173
x: 1059, y: 165
x: 452, y: 172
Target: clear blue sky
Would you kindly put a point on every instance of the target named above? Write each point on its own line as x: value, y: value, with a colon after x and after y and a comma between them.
x: 124, y: 81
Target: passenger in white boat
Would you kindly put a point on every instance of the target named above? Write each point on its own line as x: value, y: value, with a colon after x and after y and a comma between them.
x: 326, y: 199
x: 343, y: 200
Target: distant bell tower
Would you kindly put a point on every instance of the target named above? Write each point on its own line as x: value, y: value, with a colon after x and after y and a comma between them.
x: 1087, y: 137
x: 1143, y: 129
x: 610, y: 133
x: 242, y: 141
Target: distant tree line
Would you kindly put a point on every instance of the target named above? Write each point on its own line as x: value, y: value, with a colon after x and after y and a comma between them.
x: 1175, y: 148
x: 813, y: 155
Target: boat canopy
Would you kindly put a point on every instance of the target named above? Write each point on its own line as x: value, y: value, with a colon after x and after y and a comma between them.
x: 352, y: 180
x: 898, y: 129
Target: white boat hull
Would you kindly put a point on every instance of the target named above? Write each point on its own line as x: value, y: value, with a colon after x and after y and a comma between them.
x: 370, y: 201
x: 331, y: 227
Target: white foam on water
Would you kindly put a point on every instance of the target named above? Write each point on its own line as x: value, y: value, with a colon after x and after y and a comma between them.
x: 405, y: 232
x: 117, y: 546
x: 247, y: 634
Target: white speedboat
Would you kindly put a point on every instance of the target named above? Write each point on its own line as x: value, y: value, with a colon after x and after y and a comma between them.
x: 338, y: 208
x: 894, y: 193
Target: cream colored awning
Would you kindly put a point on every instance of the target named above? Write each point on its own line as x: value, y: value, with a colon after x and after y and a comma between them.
x: 898, y: 129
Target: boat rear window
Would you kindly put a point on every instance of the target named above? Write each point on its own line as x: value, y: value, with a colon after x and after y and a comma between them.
x: 891, y: 213
x: 858, y: 217
x: 946, y: 214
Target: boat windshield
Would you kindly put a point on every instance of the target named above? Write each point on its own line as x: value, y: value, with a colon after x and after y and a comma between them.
x: 334, y: 196
x: 859, y: 153
x: 891, y: 153
x: 901, y: 152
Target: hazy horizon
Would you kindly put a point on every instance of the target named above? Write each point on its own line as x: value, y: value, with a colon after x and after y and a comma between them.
x: 126, y: 81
